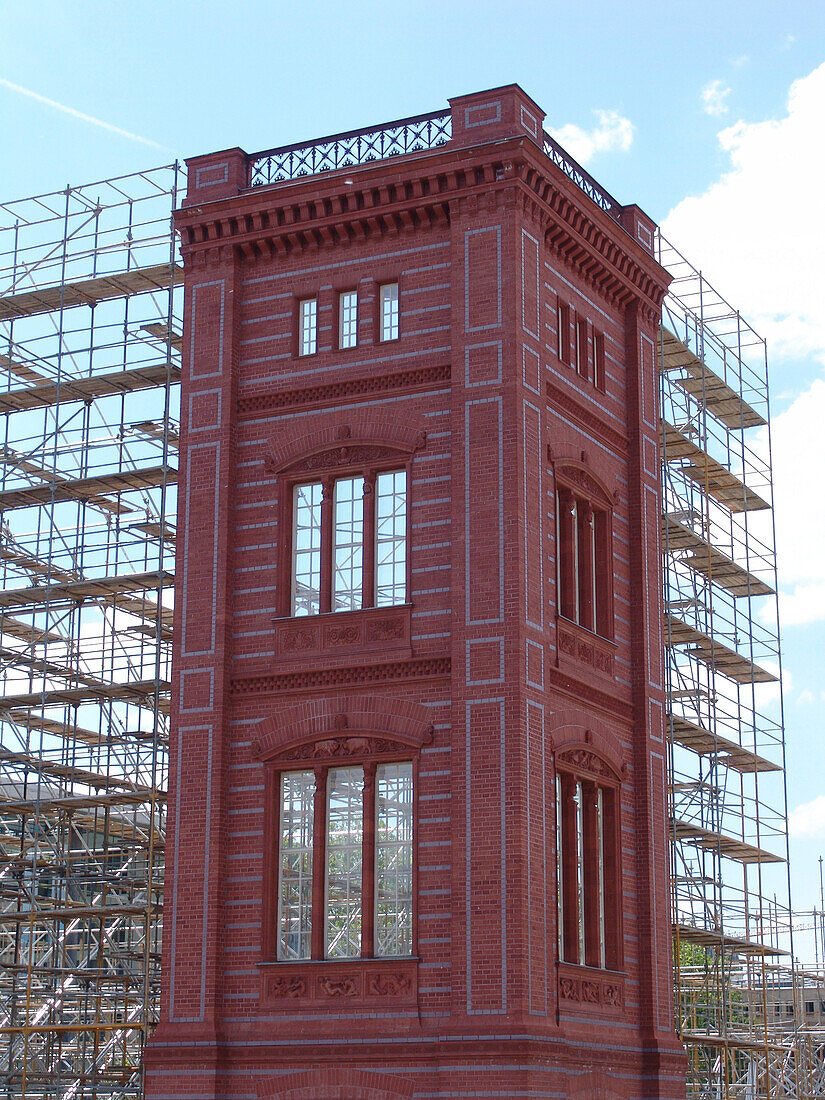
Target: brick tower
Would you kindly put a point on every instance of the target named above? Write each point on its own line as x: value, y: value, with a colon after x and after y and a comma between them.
x: 417, y: 831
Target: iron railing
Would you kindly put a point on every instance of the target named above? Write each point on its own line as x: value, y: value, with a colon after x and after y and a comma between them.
x: 391, y: 139
x: 582, y: 179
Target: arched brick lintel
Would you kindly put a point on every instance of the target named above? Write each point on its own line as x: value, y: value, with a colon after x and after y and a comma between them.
x: 570, y: 732
x: 336, y: 1084
x: 315, y: 719
x: 373, y: 427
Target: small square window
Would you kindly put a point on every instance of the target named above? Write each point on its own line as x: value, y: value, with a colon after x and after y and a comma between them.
x: 348, y: 319
x: 388, y: 304
x: 809, y: 1006
x: 308, y: 326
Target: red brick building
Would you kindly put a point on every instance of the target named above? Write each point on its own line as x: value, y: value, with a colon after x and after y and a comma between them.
x: 417, y: 812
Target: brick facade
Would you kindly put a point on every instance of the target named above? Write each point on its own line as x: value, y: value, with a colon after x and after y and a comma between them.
x: 479, y: 676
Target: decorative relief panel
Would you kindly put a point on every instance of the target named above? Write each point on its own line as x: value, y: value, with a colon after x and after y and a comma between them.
x: 577, y: 646
x: 584, y: 990
x: 375, y: 632
x: 385, y: 982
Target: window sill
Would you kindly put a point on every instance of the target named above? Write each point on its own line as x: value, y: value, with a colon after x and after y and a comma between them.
x: 340, y: 636
x: 584, y: 989
x: 389, y: 982
x: 577, y: 646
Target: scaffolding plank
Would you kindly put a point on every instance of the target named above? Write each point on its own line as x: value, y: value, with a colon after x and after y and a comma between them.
x: 161, y: 331
x: 709, y: 840
x: 708, y: 473
x: 107, y: 912
x: 29, y: 633
x: 89, y: 489
x: 714, y: 940
x: 72, y: 732
x: 713, y: 653
x: 732, y: 755
x: 24, y: 371
x: 70, y: 803
x: 36, y: 763
x: 704, y: 558
x: 137, y: 691
x: 88, y: 292
x: 726, y: 403
x: 89, y: 388
x: 37, y: 567
x: 92, y: 588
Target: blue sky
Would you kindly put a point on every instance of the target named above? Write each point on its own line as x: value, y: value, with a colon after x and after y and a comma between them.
x: 707, y: 114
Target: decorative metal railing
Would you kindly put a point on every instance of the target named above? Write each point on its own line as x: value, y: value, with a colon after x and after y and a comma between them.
x: 391, y: 139
x: 582, y: 179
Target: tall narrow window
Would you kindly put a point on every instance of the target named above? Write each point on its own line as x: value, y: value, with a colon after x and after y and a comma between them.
x: 349, y: 544
x: 296, y: 848
x: 391, y: 538
x: 393, y: 859
x: 388, y: 305
x: 598, y: 361
x: 306, y: 572
x: 345, y: 834
x: 587, y: 870
x: 584, y: 573
x: 348, y: 319
x: 345, y: 860
x: 308, y: 326
x: 563, y: 331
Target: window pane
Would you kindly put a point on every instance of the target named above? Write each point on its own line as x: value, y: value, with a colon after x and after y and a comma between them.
x: 391, y: 538
x: 393, y: 859
x: 579, y: 798
x: 600, y: 875
x: 306, y: 575
x: 345, y: 831
x: 389, y: 311
x: 295, y: 862
x: 349, y: 544
x: 348, y: 319
x: 308, y: 322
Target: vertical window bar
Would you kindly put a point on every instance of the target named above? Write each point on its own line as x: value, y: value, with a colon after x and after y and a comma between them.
x: 348, y: 319
x: 345, y: 831
x: 297, y: 794
x: 601, y: 876
x: 348, y: 551
x: 306, y: 568
x: 308, y: 326
x: 389, y: 311
x: 559, y: 870
x: 393, y: 859
x: 391, y: 538
x: 575, y: 594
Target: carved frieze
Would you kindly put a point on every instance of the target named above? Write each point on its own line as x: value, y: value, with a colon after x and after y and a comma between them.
x: 377, y: 631
x: 319, y: 985
x: 589, y: 989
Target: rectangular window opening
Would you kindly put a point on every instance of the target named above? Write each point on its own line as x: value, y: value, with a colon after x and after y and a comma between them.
x: 393, y: 859
x: 388, y: 306
x: 308, y: 326
x: 295, y: 865
x: 391, y: 538
x: 348, y: 550
x: 306, y: 564
x: 345, y: 835
x: 348, y: 319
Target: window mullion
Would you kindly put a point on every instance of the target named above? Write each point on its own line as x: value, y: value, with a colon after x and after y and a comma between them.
x: 319, y: 830
x: 327, y: 536
x: 368, y: 577
x: 585, y: 555
x: 368, y: 866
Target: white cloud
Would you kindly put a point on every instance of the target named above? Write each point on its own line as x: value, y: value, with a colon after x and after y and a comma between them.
x: 758, y: 232
x: 807, y: 821
x: 714, y: 94
x: 612, y: 133
x: 806, y: 698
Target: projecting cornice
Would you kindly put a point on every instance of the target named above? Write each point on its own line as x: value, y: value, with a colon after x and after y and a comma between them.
x: 405, y: 195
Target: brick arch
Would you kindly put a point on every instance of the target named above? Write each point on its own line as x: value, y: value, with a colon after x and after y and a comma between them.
x: 399, y: 719
x: 574, y: 471
x: 336, y: 1084
x: 568, y: 731
x: 592, y: 1086
x: 372, y: 427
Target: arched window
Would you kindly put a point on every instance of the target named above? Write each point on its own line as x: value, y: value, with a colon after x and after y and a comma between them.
x: 584, y: 551
x: 588, y: 837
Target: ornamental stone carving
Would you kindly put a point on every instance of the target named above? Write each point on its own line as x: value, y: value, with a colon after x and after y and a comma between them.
x: 390, y: 985
x: 338, y: 987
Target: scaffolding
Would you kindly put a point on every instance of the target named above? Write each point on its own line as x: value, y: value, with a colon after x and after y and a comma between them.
x: 733, y: 930
x: 90, y: 321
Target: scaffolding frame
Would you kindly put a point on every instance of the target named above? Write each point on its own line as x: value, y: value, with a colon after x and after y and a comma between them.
x: 733, y: 926
x: 90, y: 321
